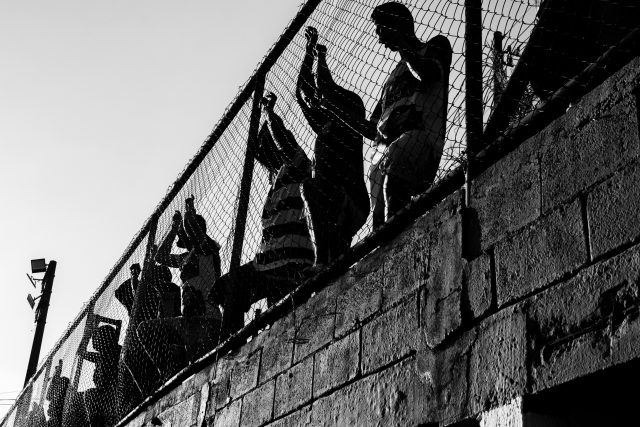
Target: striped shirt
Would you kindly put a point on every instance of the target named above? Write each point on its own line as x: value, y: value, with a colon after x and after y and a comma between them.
x: 285, y: 235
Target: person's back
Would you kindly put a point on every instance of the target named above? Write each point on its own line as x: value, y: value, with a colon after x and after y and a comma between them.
x: 407, y: 103
x: 285, y: 235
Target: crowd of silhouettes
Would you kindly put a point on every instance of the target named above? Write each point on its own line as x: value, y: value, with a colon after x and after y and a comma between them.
x: 313, y: 209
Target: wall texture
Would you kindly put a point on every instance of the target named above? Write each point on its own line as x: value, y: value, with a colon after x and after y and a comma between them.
x: 415, y: 334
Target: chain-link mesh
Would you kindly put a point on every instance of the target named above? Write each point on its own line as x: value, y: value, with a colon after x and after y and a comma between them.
x: 173, y: 296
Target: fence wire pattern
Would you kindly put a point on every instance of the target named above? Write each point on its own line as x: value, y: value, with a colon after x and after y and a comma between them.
x: 167, y: 300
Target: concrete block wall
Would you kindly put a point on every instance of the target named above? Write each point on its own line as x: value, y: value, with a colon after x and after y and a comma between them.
x: 414, y: 334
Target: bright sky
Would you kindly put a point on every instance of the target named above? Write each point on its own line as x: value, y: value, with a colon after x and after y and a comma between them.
x: 102, y: 103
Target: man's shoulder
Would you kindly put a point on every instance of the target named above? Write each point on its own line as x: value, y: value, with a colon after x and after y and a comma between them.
x: 439, y: 48
x: 440, y: 42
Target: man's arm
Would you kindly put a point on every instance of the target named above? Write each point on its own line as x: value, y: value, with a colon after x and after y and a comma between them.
x: 305, y: 87
x: 164, y: 255
x: 266, y: 152
x: 281, y: 135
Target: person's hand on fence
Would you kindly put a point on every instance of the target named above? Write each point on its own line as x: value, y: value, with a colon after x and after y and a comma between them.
x: 321, y: 49
x: 311, y: 34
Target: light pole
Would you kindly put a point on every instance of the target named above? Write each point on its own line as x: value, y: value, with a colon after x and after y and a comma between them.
x: 39, y: 266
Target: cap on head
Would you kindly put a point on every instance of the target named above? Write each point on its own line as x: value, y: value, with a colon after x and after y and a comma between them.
x: 394, y: 15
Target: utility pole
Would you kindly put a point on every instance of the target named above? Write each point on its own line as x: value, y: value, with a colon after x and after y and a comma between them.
x: 41, y: 319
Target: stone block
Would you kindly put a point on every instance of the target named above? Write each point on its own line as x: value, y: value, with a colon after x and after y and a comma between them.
x: 294, y: 387
x: 612, y: 210
x: 245, y: 375
x: 405, y: 266
x: 257, y: 405
x: 478, y: 287
x: 543, y: 252
x: 397, y: 396
x: 314, y: 324
x: 586, y: 323
x: 589, y: 147
x: 390, y: 337
x: 165, y: 417
x: 498, y: 369
x: 441, y: 307
x: 506, y: 196
x: 277, y: 351
x: 220, y: 384
x: 336, y: 364
x: 186, y: 389
x: 183, y: 411
x: 446, y: 371
x: 361, y: 296
x: 229, y: 416
x: 301, y: 417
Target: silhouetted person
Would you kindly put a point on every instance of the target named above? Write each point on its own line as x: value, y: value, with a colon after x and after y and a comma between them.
x: 286, y: 248
x: 99, y: 402
x: 200, y: 264
x: 168, y: 293
x: 408, y: 123
x: 125, y: 293
x: 172, y: 342
x: 157, y: 297
x: 56, y: 394
x: 35, y: 417
x: 336, y: 196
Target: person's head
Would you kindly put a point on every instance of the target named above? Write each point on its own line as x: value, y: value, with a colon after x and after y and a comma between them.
x: 394, y: 22
x: 135, y: 270
x: 193, y: 229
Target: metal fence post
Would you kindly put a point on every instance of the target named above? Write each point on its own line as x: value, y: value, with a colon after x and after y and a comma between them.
x: 473, y: 70
x: 247, y: 175
x: 474, y: 113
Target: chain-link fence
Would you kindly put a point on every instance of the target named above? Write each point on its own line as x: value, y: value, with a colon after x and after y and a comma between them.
x: 241, y: 215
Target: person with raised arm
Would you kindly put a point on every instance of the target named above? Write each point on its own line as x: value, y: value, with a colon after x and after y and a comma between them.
x: 285, y: 249
x: 335, y: 196
x: 408, y: 123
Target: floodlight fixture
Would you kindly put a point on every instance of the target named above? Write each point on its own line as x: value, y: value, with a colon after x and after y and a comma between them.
x: 38, y: 266
x: 49, y: 270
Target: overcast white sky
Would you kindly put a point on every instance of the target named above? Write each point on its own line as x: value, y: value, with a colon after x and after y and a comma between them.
x: 102, y: 103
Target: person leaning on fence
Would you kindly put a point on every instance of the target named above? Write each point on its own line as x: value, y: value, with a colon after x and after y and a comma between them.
x: 97, y: 406
x: 335, y: 196
x: 286, y: 248
x: 125, y: 293
x: 408, y: 123
x: 171, y: 342
x: 56, y: 393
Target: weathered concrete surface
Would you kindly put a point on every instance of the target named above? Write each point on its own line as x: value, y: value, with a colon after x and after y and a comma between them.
x: 542, y: 252
x: 506, y: 197
x: 394, y: 397
x: 478, y: 286
x: 294, y: 387
x: 336, y: 364
x: 613, y: 209
x: 415, y: 334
